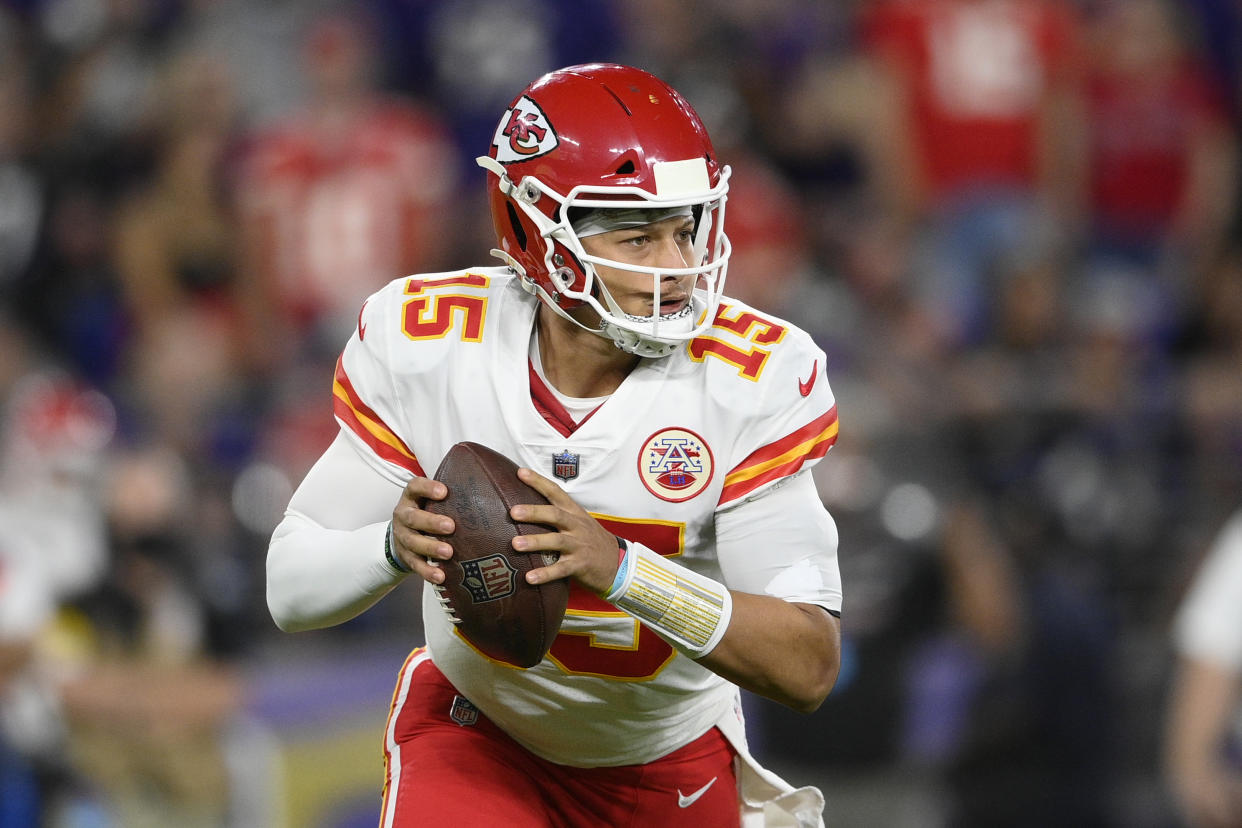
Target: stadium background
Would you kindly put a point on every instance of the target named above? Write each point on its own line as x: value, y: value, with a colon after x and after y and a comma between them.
x: 1012, y: 226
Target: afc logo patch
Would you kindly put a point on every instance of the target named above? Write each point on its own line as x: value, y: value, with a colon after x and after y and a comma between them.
x: 523, y: 133
x: 565, y: 465
x: 463, y: 711
x: 675, y: 464
x: 488, y: 578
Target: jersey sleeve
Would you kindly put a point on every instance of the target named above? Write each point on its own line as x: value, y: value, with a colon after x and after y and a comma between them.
x: 1209, y: 623
x: 799, y: 541
x: 790, y: 419
x: 364, y: 399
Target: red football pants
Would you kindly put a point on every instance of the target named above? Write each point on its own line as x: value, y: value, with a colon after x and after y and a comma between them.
x: 467, y: 772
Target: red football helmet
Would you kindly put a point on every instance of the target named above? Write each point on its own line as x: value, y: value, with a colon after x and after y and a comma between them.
x: 603, y: 136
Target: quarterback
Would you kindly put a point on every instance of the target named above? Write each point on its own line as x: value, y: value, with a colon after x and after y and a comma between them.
x: 672, y: 430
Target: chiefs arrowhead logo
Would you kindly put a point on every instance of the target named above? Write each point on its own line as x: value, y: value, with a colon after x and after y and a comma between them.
x: 523, y: 133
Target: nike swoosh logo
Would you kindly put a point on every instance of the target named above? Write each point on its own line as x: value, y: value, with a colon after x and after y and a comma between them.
x: 362, y: 326
x: 684, y: 801
x: 804, y: 387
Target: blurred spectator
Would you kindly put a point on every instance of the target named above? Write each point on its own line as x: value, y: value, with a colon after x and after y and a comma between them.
x: 1209, y: 395
x: 176, y: 240
x: 73, y: 297
x: 831, y: 133
x: 149, y: 704
x: 1162, y: 160
x: 22, y: 192
x: 1203, y: 726
x: 1161, y: 144
x: 98, y: 62
x: 261, y: 44
x: 52, y: 436
x: 175, y: 253
x: 353, y: 190
x: 985, y: 103
x: 463, y: 55
x: 92, y: 71
x: 1010, y: 702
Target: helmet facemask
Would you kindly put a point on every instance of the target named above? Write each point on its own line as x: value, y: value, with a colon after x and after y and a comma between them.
x: 572, y: 273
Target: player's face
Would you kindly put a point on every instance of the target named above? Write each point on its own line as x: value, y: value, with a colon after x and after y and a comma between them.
x: 659, y: 245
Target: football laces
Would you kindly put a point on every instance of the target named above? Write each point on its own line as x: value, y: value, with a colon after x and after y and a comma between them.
x: 443, y: 597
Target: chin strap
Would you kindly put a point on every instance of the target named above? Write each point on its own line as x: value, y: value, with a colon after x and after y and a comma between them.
x: 493, y: 166
x: 511, y: 262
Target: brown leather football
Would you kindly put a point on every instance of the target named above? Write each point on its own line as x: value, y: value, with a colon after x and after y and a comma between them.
x: 485, y: 588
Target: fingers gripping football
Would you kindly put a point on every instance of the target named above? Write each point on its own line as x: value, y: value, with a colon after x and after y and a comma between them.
x: 483, y: 589
x: 587, y: 551
x: 412, y: 527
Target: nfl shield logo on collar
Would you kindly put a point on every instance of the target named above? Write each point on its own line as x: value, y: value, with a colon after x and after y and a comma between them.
x: 565, y: 465
x: 463, y: 711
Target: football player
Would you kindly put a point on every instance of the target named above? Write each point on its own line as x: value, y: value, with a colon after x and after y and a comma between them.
x: 1203, y: 726
x: 671, y: 428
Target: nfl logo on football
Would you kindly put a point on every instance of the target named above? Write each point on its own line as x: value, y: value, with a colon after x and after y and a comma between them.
x: 565, y: 465
x: 488, y: 578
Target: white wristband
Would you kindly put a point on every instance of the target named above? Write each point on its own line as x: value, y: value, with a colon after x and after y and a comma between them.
x: 688, y: 610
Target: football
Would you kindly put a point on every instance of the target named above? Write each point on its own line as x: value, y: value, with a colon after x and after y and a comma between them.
x: 485, y: 588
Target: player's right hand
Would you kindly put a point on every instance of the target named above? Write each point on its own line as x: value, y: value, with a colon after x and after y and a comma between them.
x: 411, y: 527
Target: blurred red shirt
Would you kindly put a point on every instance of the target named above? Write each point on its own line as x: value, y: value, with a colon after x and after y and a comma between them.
x: 1143, y: 131
x: 976, y: 74
x: 338, y: 213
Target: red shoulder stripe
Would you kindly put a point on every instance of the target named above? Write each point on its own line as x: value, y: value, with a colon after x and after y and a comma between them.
x: 359, y: 418
x: 782, y: 457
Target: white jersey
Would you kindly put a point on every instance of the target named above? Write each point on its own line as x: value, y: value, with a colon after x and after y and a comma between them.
x: 437, y: 359
x: 1208, y: 625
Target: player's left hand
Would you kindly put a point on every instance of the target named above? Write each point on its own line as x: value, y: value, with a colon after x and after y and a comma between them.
x: 588, y: 551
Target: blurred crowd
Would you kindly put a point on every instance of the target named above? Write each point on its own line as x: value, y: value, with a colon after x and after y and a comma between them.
x: 1012, y: 224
